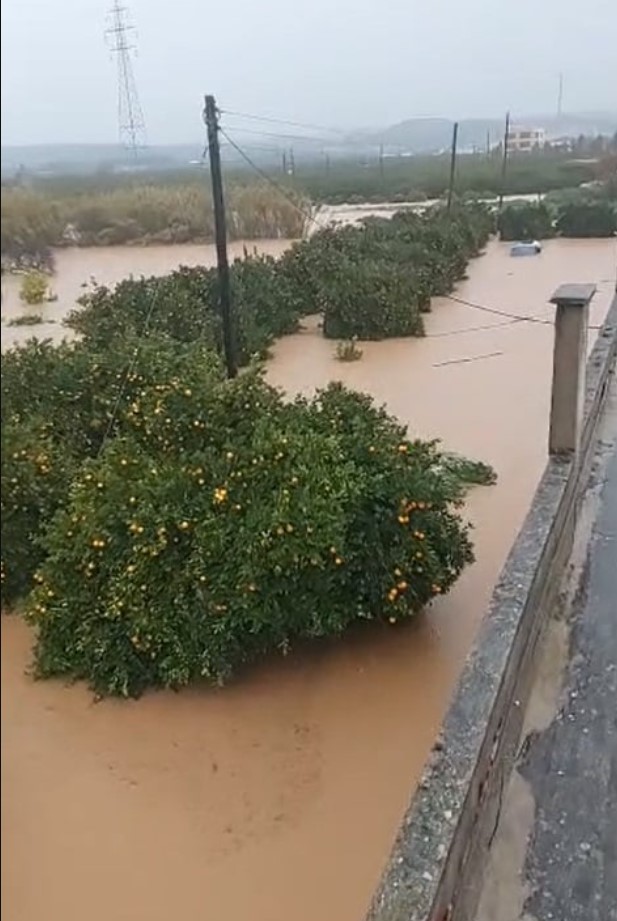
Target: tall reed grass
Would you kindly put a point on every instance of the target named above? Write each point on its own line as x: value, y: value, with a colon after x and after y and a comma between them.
x: 33, y: 220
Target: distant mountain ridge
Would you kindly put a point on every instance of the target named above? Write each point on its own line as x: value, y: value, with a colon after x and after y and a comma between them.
x: 421, y: 135
x: 426, y: 135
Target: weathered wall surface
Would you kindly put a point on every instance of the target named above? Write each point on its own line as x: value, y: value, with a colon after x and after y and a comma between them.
x: 435, y: 870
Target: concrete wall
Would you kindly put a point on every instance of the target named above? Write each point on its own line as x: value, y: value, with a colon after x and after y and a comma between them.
x: 436, y: 866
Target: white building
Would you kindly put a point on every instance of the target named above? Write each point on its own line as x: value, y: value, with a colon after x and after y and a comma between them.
x: 524, y: 140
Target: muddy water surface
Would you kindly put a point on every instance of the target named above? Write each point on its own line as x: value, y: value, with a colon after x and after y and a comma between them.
x: 277, y: 799
x: 77, y: 269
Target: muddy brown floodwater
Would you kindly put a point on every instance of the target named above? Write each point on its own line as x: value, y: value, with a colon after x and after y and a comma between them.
x: 277, y: 798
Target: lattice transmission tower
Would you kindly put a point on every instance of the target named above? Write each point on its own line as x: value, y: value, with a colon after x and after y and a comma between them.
x: 131, y: 124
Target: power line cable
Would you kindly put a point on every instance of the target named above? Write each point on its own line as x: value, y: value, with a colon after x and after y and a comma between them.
x: 274, y: 148
x: 285, y: 137
x: 503, y: 313
x: 283, y: 121
x: 306, y: 214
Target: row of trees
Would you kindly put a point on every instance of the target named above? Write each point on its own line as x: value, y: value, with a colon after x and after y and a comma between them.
x: 576, y: 216
x: 370, y: 282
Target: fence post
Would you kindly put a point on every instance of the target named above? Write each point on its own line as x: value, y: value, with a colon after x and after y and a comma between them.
x: 569, y: 361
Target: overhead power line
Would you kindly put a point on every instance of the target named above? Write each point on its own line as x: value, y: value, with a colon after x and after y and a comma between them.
x: 514, y: 317
x: 306, y: 214
x: 285, y: 137
x: 283, y: 121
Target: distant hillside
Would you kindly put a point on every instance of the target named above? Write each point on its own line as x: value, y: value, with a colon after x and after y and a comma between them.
x: 427, y: 135
x: 88, y: 158
x: 414, y: 135
x: 85, y: 159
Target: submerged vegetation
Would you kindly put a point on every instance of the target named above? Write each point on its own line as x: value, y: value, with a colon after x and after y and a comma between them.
x: 371, y: 282
x: 588, y: 212
x: 28, y: 319
x: 175, y: 206
x: 348, y: 350
x: 34, y: 288
x: 167, y: 525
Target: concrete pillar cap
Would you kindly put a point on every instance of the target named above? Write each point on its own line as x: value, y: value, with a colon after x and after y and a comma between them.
x: 573, y: 295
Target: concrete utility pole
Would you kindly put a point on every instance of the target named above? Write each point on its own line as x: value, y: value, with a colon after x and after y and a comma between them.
x: 220, y: 229
x: 569, y: 361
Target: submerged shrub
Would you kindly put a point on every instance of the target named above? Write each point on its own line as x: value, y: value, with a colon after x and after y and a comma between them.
x: 37, y: 472
x: 224, y: 523
x: 348, y: 350
x: 375, y: 280
x: 587, y: 219
x: 59, y: 405
x: 526, y: 221
x: 34, y: 287
x: 184, y: 305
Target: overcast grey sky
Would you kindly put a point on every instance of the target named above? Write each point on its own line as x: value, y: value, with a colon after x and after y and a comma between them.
x: 339, y: 62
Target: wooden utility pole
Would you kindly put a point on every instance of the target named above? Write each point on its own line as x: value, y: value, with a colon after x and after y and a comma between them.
x: 284, y: 163
x: 220, y: 230
x: 504, y: 163
x: 452, y: 165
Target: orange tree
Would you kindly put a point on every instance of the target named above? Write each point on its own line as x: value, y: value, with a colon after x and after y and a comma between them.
x: 59, y: 405
x: 371, y: 282
x: 374, y: 281
x: 222, y: 523
x: 184, y: 306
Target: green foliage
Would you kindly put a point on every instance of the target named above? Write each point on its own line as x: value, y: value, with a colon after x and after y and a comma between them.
x: 242, y: 525
x: 160, y: 212
x: 371, y: 282
x: 419, y: 177
x: 37, y: 471
x: 589, y: 211
x: 175, y: 206
x: 181, y: 524
x: 59, y: 405
x: 587, y: 219
x: 30, y: 224
x: 27, y: 319
x: 348, y: 350
x: 374, y: 281
x: 34, y: 288
x: 184, y: 305
x: 526, y: 221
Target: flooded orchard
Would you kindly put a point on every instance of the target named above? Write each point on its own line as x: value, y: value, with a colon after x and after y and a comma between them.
x: 278, y: 797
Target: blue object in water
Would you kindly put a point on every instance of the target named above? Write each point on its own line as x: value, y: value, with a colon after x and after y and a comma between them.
x: 526, y: 249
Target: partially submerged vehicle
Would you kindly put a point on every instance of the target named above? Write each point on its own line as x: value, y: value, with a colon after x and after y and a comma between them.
x: 532, y: 248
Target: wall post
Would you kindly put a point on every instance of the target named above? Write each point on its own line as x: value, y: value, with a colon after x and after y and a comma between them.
x: 569, y: 361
